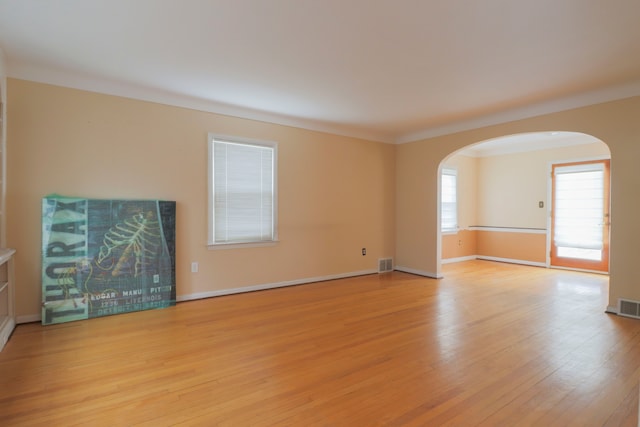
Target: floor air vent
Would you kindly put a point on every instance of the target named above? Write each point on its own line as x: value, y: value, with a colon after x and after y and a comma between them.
x: 629, y: 308
x: 385, y: 264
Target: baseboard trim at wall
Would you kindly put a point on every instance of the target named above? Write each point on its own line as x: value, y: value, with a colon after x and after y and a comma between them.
x: 200, y: 295
x: 512, y: 261
x: 611, y: 310
x: 583, y: 270
x: 491, y: 258
x: 418, y: 272
x: 222, y: 292
x: 29, y: 318
x: 459, y: 259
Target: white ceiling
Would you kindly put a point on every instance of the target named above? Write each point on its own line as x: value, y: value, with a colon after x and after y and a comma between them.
x: 387, y: 70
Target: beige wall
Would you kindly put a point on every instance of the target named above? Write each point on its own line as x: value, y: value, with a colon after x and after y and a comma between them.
x: 336, y: 194
x: 511, y: 185
x: 505, y: 191
x: 615, y: 123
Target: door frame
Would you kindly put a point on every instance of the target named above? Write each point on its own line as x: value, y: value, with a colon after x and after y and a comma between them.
x: 580, y: 265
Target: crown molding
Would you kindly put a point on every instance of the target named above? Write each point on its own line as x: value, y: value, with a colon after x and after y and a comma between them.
x: 584, y: 99
x: 74, y: 80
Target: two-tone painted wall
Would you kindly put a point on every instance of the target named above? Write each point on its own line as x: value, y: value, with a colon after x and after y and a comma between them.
x: 418, y: 242
x: 499, y: 203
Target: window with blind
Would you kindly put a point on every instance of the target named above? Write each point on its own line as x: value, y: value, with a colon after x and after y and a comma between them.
x: 579, y: 210
x: 242, y: 199
x: 449, y: 201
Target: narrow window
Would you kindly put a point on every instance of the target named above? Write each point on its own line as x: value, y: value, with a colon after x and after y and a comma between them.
x: 449, y: 202
x: 242, y: 199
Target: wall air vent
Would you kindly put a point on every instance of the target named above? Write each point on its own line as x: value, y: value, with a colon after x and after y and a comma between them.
x: 385, y: 265
x: 629, y: 308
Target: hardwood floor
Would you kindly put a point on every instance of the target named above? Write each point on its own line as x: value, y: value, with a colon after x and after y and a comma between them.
x: 490, y: 344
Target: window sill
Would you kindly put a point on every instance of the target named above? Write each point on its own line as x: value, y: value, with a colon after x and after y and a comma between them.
x: 219, y: 246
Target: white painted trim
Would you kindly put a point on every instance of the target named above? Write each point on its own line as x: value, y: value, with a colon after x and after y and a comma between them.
x: 6, y: 254
x: 418, y: 272
x: 200, y: 295
x: 611, y: 310
x: 265, y: 286
x: 512, y: 261
x: 6, y: 331
x: 599, y: 96
x: 29, y: 318
x: 583, y: 270
x: 459, y: 259
x: 489, y: 258
x: 510, y: 229
x: 222, y: 246
x: 81, y: 81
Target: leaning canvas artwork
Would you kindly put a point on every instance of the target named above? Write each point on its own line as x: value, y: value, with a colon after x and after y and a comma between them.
x: 104, y: 257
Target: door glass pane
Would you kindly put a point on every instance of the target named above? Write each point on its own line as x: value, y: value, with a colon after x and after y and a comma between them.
x: 579, y: 211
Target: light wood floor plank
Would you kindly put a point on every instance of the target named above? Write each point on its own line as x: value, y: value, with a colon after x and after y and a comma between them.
x: 491, y: 344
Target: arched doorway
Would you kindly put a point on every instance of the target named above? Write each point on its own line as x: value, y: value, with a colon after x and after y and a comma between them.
x: 504, y: 196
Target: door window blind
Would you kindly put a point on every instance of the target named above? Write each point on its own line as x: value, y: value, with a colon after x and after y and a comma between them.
x: 579, y: 206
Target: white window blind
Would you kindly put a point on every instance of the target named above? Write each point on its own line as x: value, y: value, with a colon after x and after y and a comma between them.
x: 243, y: 199
x: 449, y: 200
x: 579, y: 206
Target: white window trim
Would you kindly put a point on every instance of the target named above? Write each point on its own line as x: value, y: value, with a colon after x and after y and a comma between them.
x: 210, y: 231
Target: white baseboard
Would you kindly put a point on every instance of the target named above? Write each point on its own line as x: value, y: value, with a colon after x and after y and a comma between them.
x: 611, y: 309
x: 459, y: 259
x: 417, y: 272
x: 262, y: 287
x: 491, y: 258
x: 200, y: 295
x: 29, y: 318
x: 512, y: 261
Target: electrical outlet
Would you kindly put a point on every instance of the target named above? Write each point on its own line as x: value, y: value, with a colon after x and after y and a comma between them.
x: 194, y: 267
x: 364, y: 251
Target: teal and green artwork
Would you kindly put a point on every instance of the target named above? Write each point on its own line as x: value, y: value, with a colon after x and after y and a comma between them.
x: 104, y: 257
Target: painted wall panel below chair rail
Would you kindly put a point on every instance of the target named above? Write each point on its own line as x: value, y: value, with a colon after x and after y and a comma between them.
x: 459, y: 245
x: 523, y: 246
